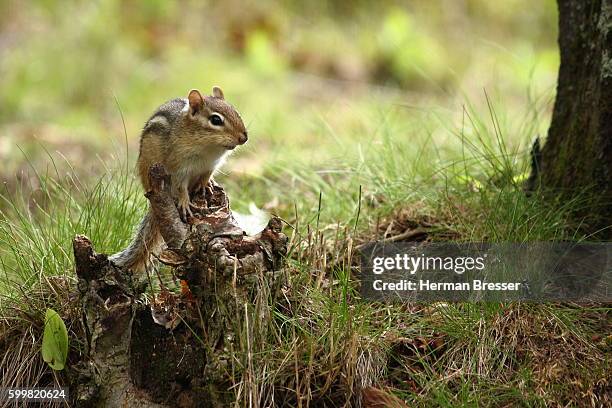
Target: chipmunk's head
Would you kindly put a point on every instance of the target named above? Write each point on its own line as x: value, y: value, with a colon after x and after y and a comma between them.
x: 217, y: 121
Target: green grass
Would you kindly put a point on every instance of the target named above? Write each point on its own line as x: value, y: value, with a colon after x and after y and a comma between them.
x: 324, y: 342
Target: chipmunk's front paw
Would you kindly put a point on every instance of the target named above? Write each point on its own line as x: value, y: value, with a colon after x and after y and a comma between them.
x: 184, y: 207
x: 208, y: 190
x: 205, y: 188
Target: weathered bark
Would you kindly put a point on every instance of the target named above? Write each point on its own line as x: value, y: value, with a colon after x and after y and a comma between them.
x: 174, y: 352
x: 578, y: 152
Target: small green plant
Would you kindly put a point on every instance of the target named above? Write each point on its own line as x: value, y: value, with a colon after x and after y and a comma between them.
x: 55, y: 341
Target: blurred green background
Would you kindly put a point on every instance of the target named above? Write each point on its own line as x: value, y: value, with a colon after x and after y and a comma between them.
x: 311, y: 79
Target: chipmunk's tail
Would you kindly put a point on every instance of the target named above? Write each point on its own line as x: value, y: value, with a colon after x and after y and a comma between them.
x: 137, y: 257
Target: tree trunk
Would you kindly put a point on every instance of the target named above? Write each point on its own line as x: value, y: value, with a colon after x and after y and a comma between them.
x: 179, y: 349
x: 577, y: 155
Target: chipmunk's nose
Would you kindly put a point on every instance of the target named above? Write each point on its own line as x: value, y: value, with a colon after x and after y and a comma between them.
x: 243, y: 138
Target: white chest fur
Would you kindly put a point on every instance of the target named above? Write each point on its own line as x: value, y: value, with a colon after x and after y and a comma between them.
x: 196, y: 167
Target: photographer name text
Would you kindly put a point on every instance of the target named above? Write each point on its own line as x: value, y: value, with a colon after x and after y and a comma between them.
x: 427, y: 285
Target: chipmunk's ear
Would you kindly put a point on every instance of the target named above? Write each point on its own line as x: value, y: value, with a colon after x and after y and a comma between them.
x: 196, y: 101
x: 217, y: 92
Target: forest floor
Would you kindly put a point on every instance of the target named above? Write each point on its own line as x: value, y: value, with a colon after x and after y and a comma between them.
x: 387, y: 174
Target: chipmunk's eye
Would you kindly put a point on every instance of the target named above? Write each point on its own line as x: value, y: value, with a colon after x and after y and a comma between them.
x: 216, y: 119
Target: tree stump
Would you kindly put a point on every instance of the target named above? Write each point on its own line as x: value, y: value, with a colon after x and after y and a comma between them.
x: 176, y: 349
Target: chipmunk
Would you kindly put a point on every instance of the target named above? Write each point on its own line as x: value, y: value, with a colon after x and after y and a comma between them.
x: 191, y: 137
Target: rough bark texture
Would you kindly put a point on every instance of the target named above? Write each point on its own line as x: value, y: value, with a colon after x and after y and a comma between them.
x: 175, y: 350
x: 578, y: 151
